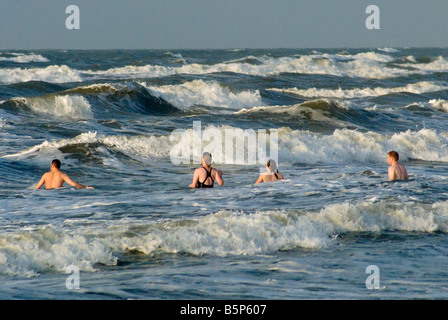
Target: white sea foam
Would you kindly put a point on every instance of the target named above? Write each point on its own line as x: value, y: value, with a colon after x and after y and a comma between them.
x: 29, y: 253
x: 352, y: 146
x: 53, y: 74
x: 65, y: 106
x: 48, y: 150
x: 381, y: 216
x: 226, y: 232
x: 294, y: 146
x: 417, y: 88
x: 365, y: 65
x: 389, y: 50
x: 439, y: 64
x: 24, y: 58
x: 439, y: 104
x: 177, y: 56
x: 207, y: 93
x: 138, y: 147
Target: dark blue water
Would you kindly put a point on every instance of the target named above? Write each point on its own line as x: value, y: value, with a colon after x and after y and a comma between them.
x: 110, y: 117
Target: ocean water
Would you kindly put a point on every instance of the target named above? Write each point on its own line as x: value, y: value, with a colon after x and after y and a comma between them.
x: 109, y: 116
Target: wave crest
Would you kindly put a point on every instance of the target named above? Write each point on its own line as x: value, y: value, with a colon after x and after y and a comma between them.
x: 224, y: 233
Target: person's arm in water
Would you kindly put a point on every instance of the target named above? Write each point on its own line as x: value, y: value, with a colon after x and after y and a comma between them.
x: 195, y: 179
x: 41, y: 183
x: 392, y: 175
x: 74, y: 184
x: 219, y: 178
x: 260, y: 179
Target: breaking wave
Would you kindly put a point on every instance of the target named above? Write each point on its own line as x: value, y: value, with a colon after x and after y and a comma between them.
x: 369, y: 65
x: 22, y: 57
x: 226, y: 232
x: 206, y: 93
x: 82, y: 102
x: 416, y: 88
x: 51, y: 74
x: 294, y: 146
x: 70, y: 107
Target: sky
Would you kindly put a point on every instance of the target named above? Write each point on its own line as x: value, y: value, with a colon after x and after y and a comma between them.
x: 221, y: 24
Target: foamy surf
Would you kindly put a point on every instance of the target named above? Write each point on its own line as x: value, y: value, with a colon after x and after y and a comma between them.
x: 369, y: 65
x: 311, y: 235
x: 224, y: 233
x: 205, y: 93
x: 343, y: 146
x: 60, y: 106
x: 364, y: 65
x: 23, y: 57
x: 51, y: 74
x: 416, y: 88
x: 352, y: 146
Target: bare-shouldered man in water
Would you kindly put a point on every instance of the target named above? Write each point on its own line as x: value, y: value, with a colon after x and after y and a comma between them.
x: 55, y: 178
x: 396, y: 171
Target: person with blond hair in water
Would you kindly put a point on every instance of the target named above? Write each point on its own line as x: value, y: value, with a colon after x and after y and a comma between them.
x: 271, y: 174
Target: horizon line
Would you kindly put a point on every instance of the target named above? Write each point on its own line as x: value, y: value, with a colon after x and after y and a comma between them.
x: 229, y: 48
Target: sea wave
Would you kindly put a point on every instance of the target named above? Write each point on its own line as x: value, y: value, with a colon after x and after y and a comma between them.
x: 323, y: 111
x: 388, y: 50
x: 51, y: 74
x: 29, y: 252
x: 370, y: 65
x: 353, y: 146
x: 294, y: 146
x: 416, y: 88
x: 58, y: 106
x: 90, y: 144
x: 439, y: 104
x: 80, y: 102
x: 438, y: 64
x: 205, y: 93
x: 22, y: 57
x: 364, y: 65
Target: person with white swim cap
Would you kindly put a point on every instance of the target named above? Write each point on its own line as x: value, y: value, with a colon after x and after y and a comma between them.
x: 271, y: 174
x: 206, y: 174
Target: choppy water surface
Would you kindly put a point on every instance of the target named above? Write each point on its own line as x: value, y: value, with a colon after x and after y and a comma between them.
x: 143, y: 234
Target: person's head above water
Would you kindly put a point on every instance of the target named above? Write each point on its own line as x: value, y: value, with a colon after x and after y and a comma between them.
x: 56, y: 164
x: 393, y: 156
x: 272, y: 166
x: 206, y: 159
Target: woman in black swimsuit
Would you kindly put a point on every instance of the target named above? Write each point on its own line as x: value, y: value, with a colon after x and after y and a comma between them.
x: 208, y: 177
x: 203, y: 177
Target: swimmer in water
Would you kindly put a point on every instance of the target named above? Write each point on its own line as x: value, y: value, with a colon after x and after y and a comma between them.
x: 271, y: 174
x: 206, y: 174
x: 396, y: 171
x: 55, y: 178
